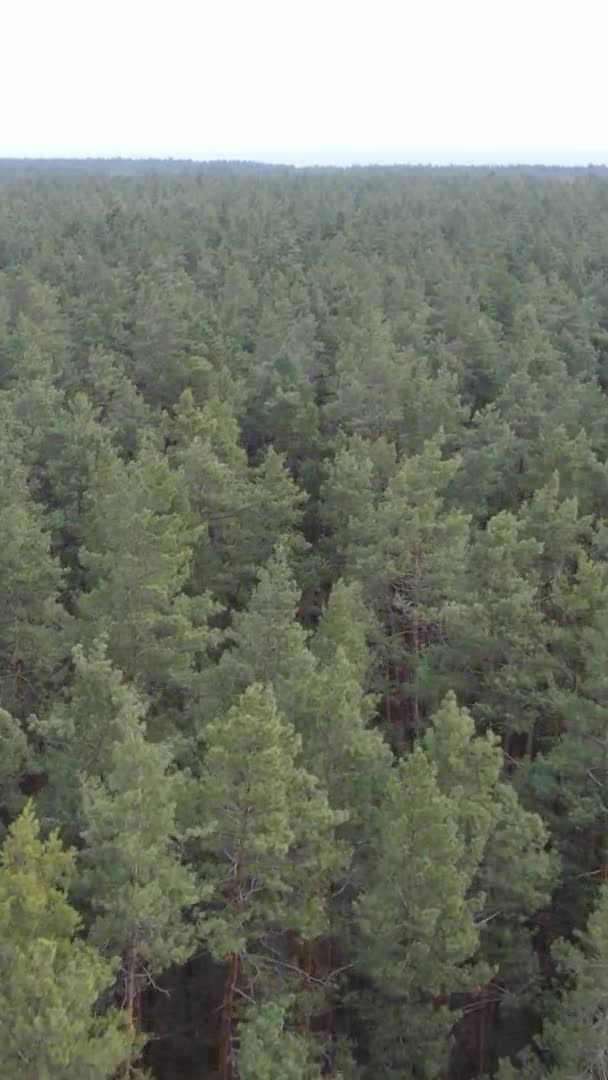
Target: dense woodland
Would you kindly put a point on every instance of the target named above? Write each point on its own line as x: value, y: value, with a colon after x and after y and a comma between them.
x: 303, y: 623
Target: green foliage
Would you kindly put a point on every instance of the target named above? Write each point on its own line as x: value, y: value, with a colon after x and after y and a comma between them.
x: 166, y: 342
x: 441, y: 901
x: 138, y: 553
x: 293, y: 465
x: 265, y: 826
x: 136, y: 884
x: 269, y: 646
x: 51, y: 980
x: 33, y: 623
x: 270, y: 1052
x: 578, y: 1036
x: 81, y: 733
x: 15, y: 758
x: 416, y: 922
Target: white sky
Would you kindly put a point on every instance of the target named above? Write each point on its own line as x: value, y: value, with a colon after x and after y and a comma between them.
x: 318, y: 80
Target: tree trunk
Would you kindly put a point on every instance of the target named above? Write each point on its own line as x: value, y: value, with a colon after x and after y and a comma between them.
x: 131, y: 1002
x: 225, y: 1063
x: 416, y: 651
x: 530, y: 740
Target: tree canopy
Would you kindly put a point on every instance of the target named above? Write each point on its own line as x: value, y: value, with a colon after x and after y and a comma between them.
x: 303, y: 622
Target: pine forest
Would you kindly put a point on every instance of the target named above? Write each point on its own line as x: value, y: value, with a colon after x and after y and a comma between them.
x: 303, y: 622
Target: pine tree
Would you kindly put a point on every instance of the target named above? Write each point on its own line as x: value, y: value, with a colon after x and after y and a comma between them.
x: 574, y: 1038
x: 138, y: 553
x: 15, y: 759
x: 33, y: 624
x: 166, y: 343
x: 120, y: 406
x: 349, y: 757
x: 348, y: 507
x: 280, y: 408
x: 39, y: 327
x: 344, y: 623
x: 80, y: 734
x: 269, y: 645
x: 414, y: 575
x: 498, y: 632
x: 498, y: 832
x: 79, y: 457
x: 555, y: 524
x: 369, y: 381
x: 204, y: 444
x: 416, y: 925
x: 275, y: 506
x: 51, y: 981
x: 269, y: 1051
x: 267, y: 844
x: 566, y: 782
x: 136, y: 884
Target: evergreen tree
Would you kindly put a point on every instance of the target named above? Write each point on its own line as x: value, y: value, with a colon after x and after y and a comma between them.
x: 497, y: 831
x: 135, y: 881
x: 15, y: 760
x: 577, y: 1037
x: 268, y: 848
x: 344, y: 623
x: 137, y: 556
x: 349, y: 500
x: 268, y: 1051
x: 269, y: 645
x: 166, y: 344
x: 499, y: 635
x: 51, y: 980
x: 120, y: 406
x: 214, y: 467
x: 33, y: 623
x: 574, y: 1038
x: 413, y: 575
x: 80, y: 735
x: 416, y: 925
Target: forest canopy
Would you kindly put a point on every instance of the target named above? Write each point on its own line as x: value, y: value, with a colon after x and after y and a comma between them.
x: 303, y: 622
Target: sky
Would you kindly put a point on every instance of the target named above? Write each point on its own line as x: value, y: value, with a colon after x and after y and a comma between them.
x: 313, y: 81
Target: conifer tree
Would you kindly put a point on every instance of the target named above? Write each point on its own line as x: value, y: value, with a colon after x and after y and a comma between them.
x: 267, y: 844
x: 51, y: 981
x: 566, y: 782
x: 79, y: 458
x: 280, y: 407
x: 121, y: 407
x: 136, y: 884
x: 574, y: 1037
x: 340, y: 747
x: 275, y: 510
x: 344, y: 622
x: 413, y: 574
x: 80, y: 734
x: 33, y: 623
x: 416, y: 924
x: 166, y: 341
x: 137, y: 556
x: 15, y: 759
x: 497, y: 831
x: 498, y: 631
x: 577, y: 1036
x: 269, y: 1051
x: 204, y: 443
x: 268, y: 644
x: 348, y: 508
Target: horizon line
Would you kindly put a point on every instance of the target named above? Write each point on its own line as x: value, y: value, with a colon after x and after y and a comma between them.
x: 581, y: 161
